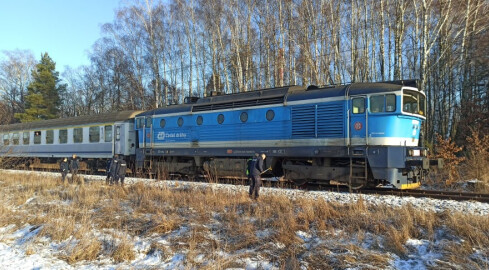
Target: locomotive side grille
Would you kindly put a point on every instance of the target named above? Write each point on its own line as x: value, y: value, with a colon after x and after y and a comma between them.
x: 238, y: 104
x: 330, y: 120
x: 318, y: 121
x: 303, y: 121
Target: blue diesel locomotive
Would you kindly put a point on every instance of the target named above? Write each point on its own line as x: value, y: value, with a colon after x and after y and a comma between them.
x: 362, y: 134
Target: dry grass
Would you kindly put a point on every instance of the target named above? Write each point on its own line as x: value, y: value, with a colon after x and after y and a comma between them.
x: 205, y: 223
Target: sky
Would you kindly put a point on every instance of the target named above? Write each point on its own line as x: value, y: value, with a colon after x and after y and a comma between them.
x: 65, y: 29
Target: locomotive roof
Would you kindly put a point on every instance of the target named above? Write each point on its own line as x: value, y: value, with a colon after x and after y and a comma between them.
x: 280, y: 95
x: 71, y: 121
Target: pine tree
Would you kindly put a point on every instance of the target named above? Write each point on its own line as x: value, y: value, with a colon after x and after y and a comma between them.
x: 43, y: 93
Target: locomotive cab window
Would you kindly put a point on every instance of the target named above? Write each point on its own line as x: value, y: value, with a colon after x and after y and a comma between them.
x: 413, y: 102
x: 94, y: 134
x: 15, y: 138
x: 78, y: 135
x: 382, y: 103
x: 108, y: 133
x: 49, y: 136
x: 25, y: 138
x: 149, y: 122
x: 390, y: 103
x: 376, y: 104
x: 63, y: 136
x: 37, y: 137
x: 358, y: 105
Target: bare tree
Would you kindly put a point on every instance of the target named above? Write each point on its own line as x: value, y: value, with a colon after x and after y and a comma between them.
x: 15, y: 75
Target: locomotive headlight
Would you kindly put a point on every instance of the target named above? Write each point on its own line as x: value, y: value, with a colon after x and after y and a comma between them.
x: 414, y: 152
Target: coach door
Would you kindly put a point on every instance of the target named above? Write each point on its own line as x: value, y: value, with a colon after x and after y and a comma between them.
x: 358, y: 120
x: 117, y: 139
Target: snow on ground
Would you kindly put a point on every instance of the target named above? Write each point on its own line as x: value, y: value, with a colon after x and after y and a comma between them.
x: 18, y: 252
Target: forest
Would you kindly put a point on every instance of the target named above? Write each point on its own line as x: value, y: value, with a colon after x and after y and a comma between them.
x: 155, y: 53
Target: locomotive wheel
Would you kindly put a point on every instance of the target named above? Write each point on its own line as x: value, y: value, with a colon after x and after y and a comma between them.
x: 300, y: 182
x: 356, y: 186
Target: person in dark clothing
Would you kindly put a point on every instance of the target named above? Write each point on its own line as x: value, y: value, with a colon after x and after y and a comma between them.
x: 121, y: 171
x: 256, y: 176
x: 64, y: 168
x: 250, y: 163
x: 109, y: 178
x: 113, y: 169
x: 74, y: 166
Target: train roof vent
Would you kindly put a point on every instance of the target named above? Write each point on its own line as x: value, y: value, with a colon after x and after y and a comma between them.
x: 238, y: 104
x: 190, y: 100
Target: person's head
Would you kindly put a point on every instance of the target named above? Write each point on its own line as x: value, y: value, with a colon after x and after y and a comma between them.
x: 74, y: 156
x: 65, y: 159
x: 263, y: 155
x: 257, y: 155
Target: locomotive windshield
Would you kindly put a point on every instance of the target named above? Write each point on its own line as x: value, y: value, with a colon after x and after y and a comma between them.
x: 414, y: 102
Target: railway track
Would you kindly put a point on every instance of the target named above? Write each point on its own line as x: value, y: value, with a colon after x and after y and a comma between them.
x: 417, y: 193
x: 433, y: 194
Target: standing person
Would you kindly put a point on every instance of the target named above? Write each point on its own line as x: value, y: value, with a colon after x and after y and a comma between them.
x: 113, y: 169
x: 64, y: 168
x: 108, y: 171
x: 121, y: 170
x: 74, y: 166
x: 249, y: 168
x: 256, y: 176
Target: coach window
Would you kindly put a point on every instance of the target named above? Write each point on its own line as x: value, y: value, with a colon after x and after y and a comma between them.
x: 220, y: 118
x: 15, y: 138
x: 180, y: 121
x: 243, y: 117
x: 200, y: 120
x: 49, y: 136
x: 270, y: 115
x: 25, y: 138
x: 6, y: 140
x: 94, y: 134
x: 358, y: 105
x: 376, y: 104
x: 37, y: 137
x: 390, y: 103
x: 78, y: 135
x: 108, y: 133
x: 63, y: 136
x: 162, y: 123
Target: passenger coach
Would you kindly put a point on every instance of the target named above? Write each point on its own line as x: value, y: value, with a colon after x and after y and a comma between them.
x: 93, y: 138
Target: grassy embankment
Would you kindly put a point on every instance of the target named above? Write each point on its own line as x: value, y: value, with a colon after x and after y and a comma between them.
x: 94, y: 222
